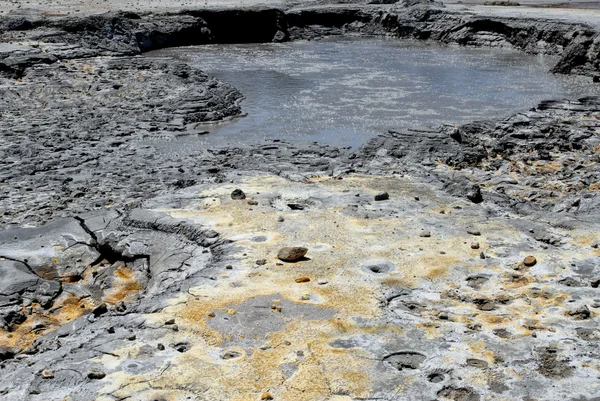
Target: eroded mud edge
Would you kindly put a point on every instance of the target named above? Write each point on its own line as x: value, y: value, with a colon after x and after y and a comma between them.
x: 50, y: 37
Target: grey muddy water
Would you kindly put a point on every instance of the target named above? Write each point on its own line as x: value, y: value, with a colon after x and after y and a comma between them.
x: 345, y: 91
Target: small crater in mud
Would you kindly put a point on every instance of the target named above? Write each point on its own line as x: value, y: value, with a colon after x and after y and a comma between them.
x: 476, y: 281
x: 458, y: 394
x: 477, y: 363
x: 181, y: 347
x: 377, y: 266
x: 551, y: 365
x: 436, y: 377
x: 405, y: 360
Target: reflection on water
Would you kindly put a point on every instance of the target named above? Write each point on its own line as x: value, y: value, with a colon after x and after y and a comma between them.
x: 344, y: 91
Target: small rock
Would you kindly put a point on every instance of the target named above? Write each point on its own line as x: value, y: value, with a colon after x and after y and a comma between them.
x: 474, y: 245
x: 581, y: 313
x: 120, y: 307
x: 160, y: 347
x: 261, y: 262
x: 322, y: 282
x: 481, y: 255
x: 280, y: 219
x: 425, y: 234
x: 238, y: 194
x: 6, y: 353
x: 47, y: 374
x: 529, y: 261
x: 473, y: 231
x: 252, y: 203
x: 229, y: 267
x: 170, y: 321
x: 266, y: 396
x: 96, y: 374
x: 291, y: 254
x: 302, y: 280
x: 100, y: 309
x: 382, y: 196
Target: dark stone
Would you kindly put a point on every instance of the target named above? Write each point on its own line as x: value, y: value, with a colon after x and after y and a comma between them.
x: 96, y: 374
x: 6, y: 353
x: 382, y: 196
x: 100, y: 309
x: 238, y: 194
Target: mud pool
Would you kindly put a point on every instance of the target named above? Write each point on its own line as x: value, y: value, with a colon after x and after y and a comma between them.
x: 344, y: 91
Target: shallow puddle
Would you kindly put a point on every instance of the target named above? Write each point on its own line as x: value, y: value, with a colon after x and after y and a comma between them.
x: 342, y: 91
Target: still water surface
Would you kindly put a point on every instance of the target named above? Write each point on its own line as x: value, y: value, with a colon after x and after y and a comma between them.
x: 344, y: 91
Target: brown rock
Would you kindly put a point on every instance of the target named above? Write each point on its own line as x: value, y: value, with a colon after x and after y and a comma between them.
x: 302, y: 280
x: 529, y: 261
x: 266, y: 396
x: 47, y: 374
x: 474, y: 245
x: 291, y: 254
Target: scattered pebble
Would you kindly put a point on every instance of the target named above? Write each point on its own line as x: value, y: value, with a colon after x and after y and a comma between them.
x: 474, y: 245
x: 529, y: 261
x: 280, y: 219
x: 382, y: 196
x: 261, y: 262
x: 473, y: 231
x: 266, y: 396
x: 302, y: 280
x: 238, y: 194
x: 47, y: 374
x: 96, y: 374
x: 425, y: 234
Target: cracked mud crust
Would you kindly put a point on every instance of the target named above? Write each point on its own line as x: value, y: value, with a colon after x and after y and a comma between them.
x: 210, y: 323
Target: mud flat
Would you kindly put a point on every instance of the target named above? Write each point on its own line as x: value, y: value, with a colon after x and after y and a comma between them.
x: 459, y: 262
